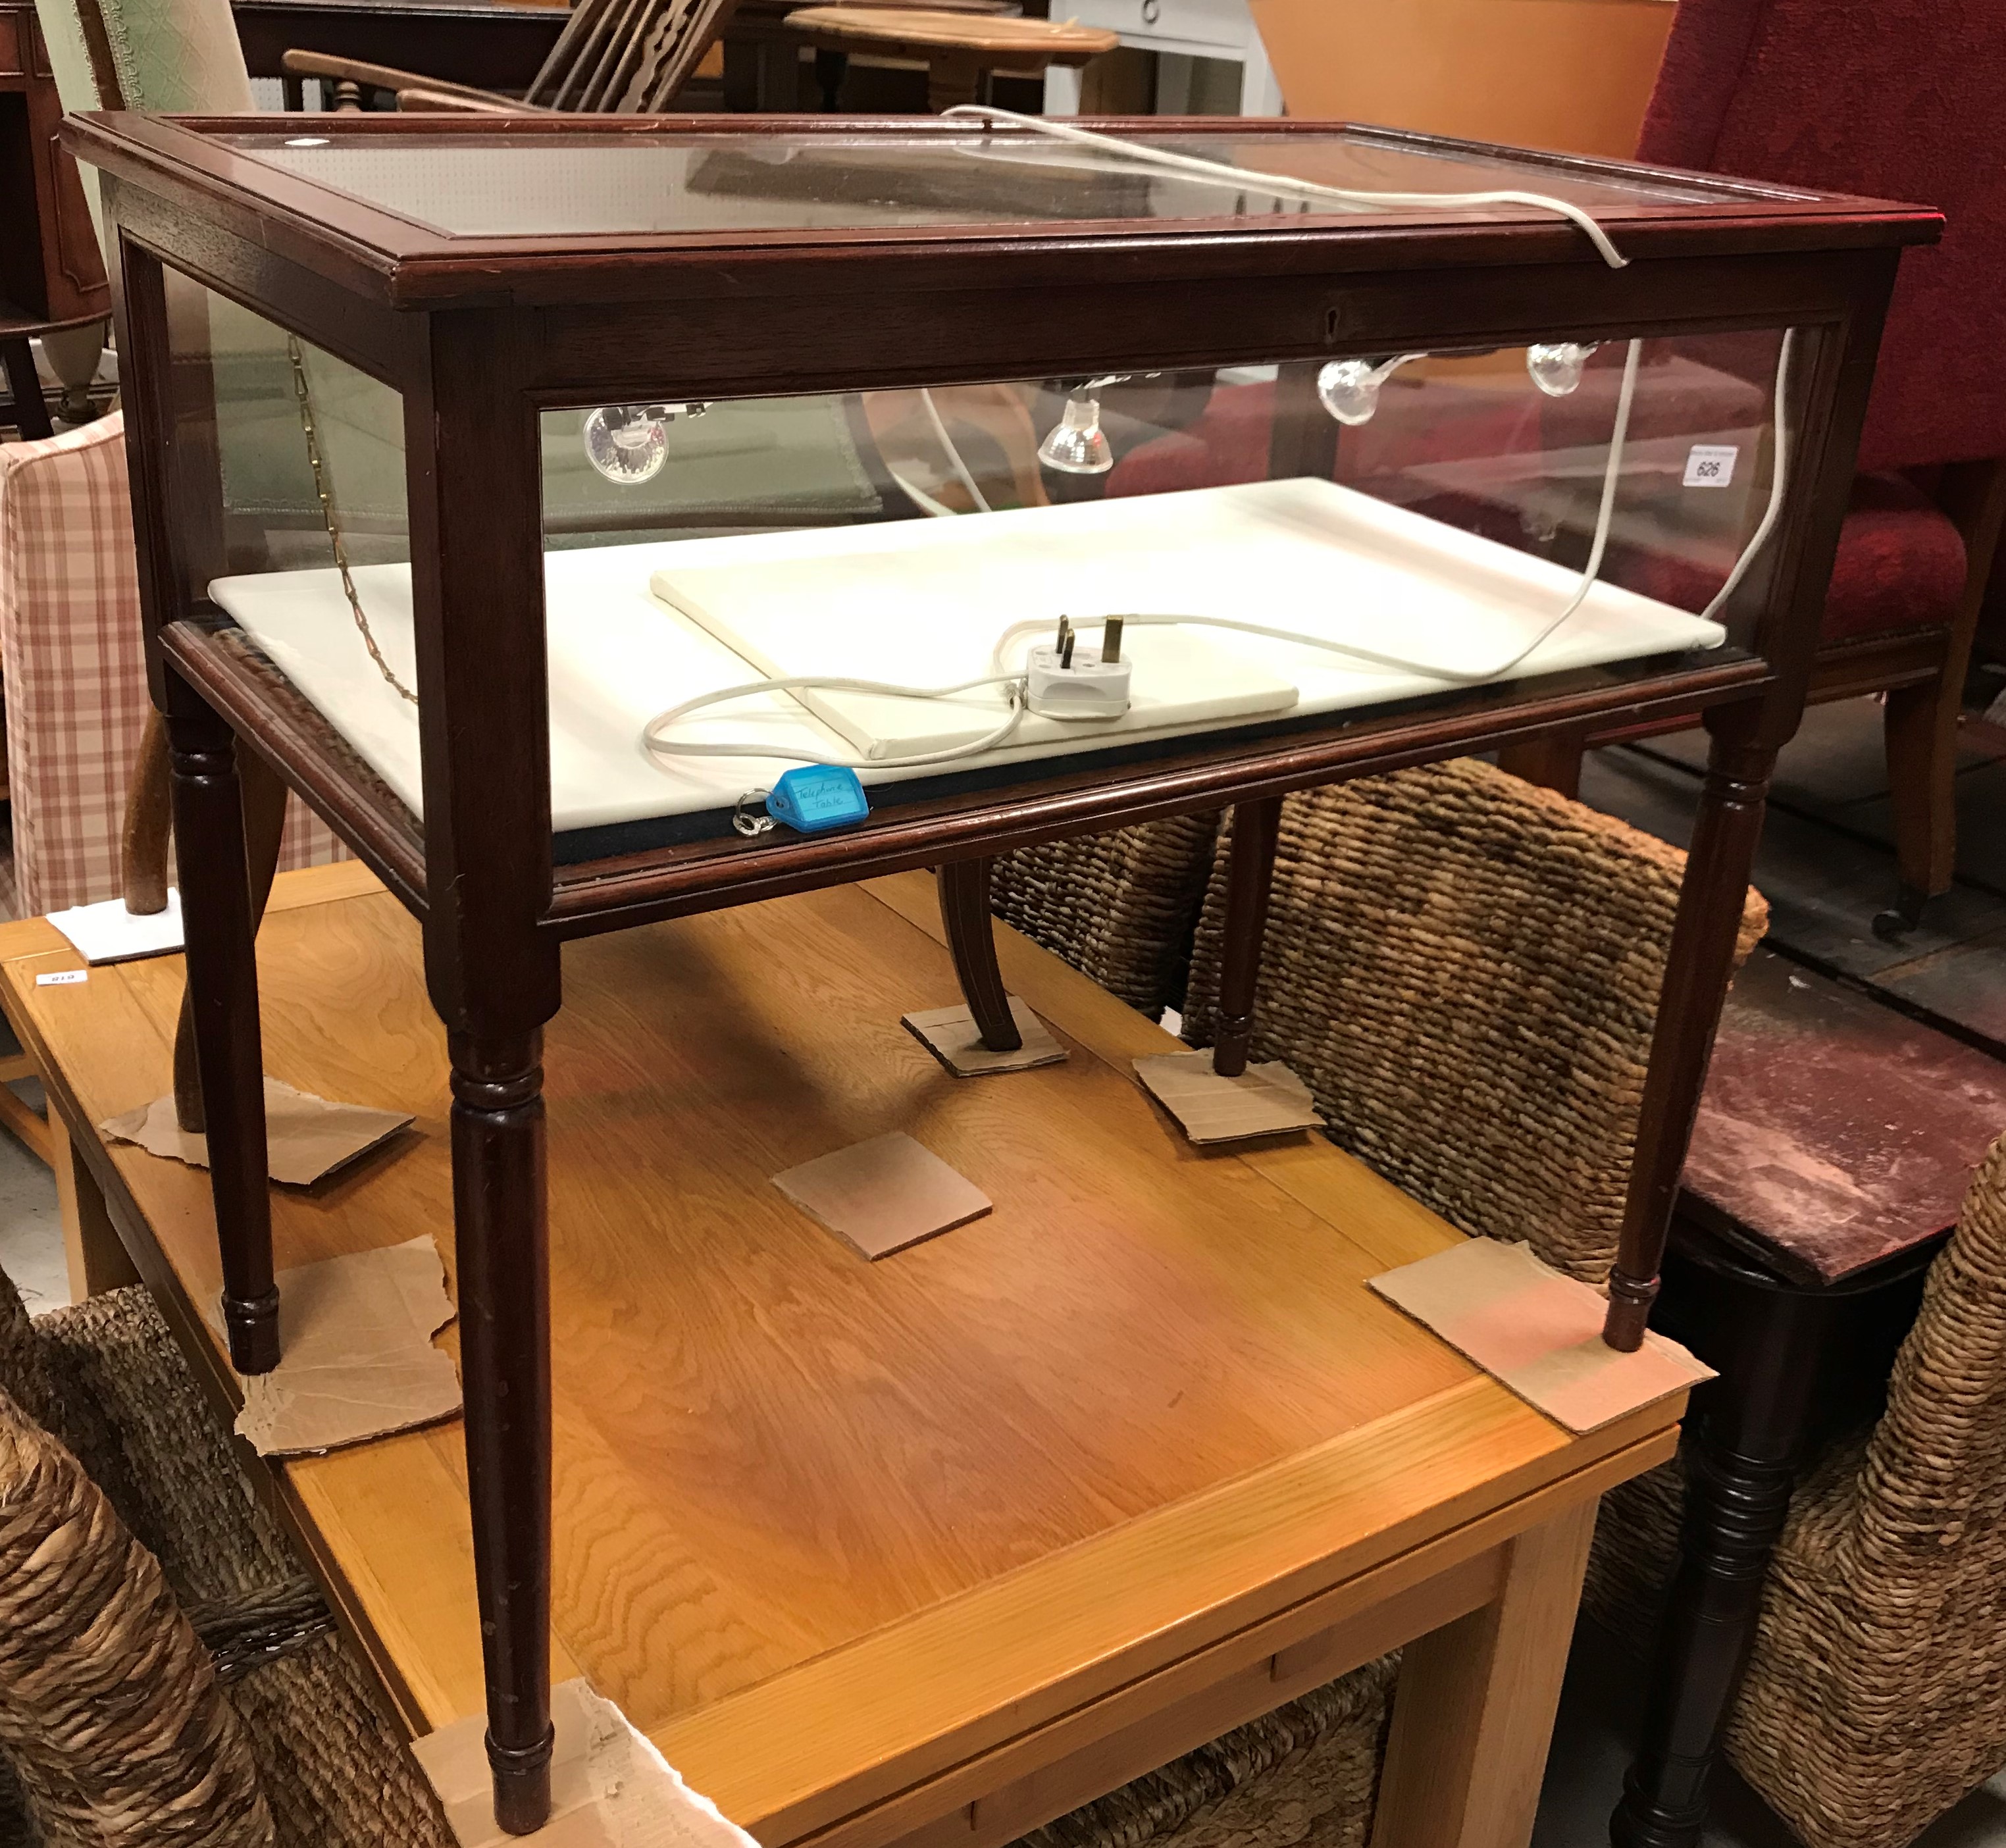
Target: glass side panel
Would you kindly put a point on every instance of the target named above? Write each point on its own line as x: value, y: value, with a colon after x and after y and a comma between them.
x: 501, y: 184
x: 1286, y: 546
x: 294, y: 466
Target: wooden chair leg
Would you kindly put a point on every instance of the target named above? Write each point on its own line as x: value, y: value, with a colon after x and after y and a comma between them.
x: 1921, y: 721
x: 1473, y: 1713
x: 31, y: 415
x: 222, y: 1010
x: 149, y: 825
x: 1551, y: 762
x: 953, y: 77
x: 1920, y: 725
x: 831, y: 67
x: 1250, y: 876
x: 971, y: 940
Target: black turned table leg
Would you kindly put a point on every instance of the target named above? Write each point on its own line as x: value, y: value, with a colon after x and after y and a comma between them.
x: 1250, y: 876
x: 971, y: 940
x: 502, y: 1238
x: 1743, y: 1443
x: 223, y: 1011
x: 1696, y: 973
x: 1797, y: 1361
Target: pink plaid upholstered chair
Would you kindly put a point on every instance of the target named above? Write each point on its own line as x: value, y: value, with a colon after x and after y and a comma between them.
x: 75, y: 672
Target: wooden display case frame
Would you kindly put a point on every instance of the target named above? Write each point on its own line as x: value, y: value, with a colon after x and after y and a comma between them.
x: 479, y: 334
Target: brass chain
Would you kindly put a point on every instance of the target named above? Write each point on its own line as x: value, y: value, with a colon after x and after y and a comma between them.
x: 327, y: 514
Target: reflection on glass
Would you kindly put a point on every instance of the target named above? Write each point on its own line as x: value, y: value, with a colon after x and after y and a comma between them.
x: 628, y: 443
x: 1284, y: 542
x: 1078, y: 446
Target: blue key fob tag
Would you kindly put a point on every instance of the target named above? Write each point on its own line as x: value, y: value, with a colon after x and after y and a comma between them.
x: 816, y: 797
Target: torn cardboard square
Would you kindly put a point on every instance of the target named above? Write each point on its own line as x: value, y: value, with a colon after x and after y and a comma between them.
x: 609, y: 1787
x: 355, y: 1354
x: 306, y: 1137
x: 1538, y: 1331
x: 950, y: 1035
x: 109, y: 933
x: 1264, y: 1100
x: 883, y: 1194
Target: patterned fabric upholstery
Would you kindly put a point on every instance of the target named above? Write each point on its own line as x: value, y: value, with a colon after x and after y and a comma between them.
x: 167, y: 56
x: 74, y: 668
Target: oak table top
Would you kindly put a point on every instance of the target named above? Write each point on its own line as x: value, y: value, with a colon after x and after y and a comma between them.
x: 833, y: 1532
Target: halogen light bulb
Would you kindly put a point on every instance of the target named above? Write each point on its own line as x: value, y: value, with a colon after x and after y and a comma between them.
x: 628, y: 443
x: 1077, y: 444
x: 1350, y: 389
x: 1556, y: 365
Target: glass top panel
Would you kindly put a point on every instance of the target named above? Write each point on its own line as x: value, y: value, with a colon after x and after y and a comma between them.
x: 578, y: 183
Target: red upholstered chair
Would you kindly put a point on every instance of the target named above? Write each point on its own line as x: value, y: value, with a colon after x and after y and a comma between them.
x: 1901, y: 99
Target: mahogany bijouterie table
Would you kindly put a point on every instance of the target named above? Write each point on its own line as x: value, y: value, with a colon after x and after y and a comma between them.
x: 500, y: 285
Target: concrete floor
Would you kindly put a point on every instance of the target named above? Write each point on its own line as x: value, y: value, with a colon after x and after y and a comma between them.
x: 30, y: 1233
x: 1600, y: 1708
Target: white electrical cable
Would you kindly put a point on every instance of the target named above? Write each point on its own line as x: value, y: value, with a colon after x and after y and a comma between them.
x: 652, y: 739
x: 1611, y: 473
x: 954, y: 454
x: 1778, y: 476
x: 1605, y: 512
x: 1248, y: 179
x: 932, y: 508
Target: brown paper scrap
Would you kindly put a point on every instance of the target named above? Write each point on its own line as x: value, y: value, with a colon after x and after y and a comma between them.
x: 1264, y: 1100
x: 609, y: 1787
x: 950, y: 1035
x: 355, y: 1354
x: 883, y: 1194
x: 1537, y: 1330
x: 306, y: 1137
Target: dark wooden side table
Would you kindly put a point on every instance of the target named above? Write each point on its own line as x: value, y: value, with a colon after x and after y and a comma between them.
x: 52, y: 273
x: 1826, y: 1166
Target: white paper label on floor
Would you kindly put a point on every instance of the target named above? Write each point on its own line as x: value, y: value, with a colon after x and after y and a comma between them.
x: 62, y: 978
x: 1710, y: 465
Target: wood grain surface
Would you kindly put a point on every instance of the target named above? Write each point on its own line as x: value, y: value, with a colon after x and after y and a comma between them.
x: 830, y: 1530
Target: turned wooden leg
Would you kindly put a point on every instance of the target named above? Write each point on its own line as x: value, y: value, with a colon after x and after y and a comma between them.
x: 223, y: 1011
x: 1697, y: 972
x: 31, y: 415
x: 971, y: 940
x: 1920, y: 724
x: 501, y: 1236
x: 831, y: 67
x: 953, y: 78
x: 1743, y: 1440
x: 264, y: 826
x: 1249, y: 875
x: 1473, y: 1711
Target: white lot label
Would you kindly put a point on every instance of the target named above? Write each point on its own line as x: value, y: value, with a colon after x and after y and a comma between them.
x: 62, y: 978
x: 1710, y: 465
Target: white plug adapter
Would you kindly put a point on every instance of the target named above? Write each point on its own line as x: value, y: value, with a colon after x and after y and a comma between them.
x: 1090, y: 688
